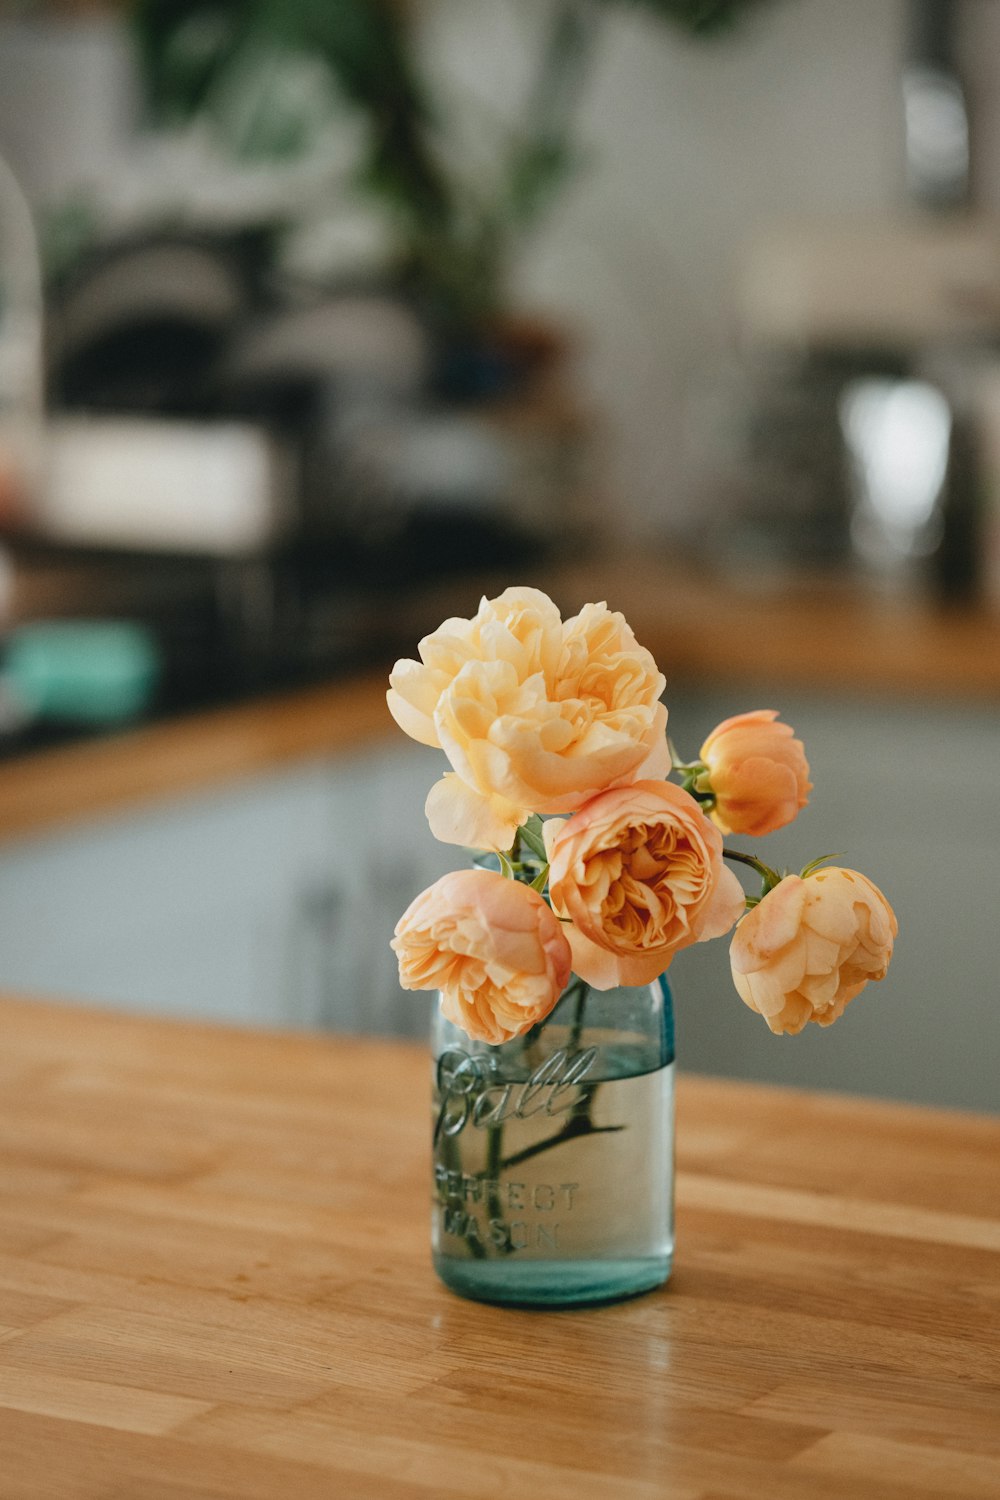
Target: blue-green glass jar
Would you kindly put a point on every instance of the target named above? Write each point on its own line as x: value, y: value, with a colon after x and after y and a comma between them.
x: 554, y: 1153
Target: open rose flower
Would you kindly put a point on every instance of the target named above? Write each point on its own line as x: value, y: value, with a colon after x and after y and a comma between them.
x: 758, y: 772
x: 534, y: 714
x: 810, y: 946
x: 639, y: 871
x: 491, y: 946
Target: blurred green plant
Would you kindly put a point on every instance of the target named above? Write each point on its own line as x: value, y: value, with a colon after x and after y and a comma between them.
x: 230, y: 62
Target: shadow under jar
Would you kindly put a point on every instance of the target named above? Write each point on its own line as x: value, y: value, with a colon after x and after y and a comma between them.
x: 554, y: 1153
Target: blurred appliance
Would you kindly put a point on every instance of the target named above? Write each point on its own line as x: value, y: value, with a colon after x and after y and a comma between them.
x: 891, y: 284
x: 138, y: 325
x: 935, y: 117
x: 156, y: 485
x: 898, y: 434
x: 901, y: 281
x: 846, y: 323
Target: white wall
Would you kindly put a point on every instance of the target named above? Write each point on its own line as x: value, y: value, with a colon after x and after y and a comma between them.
x: 67, y: 102
x: 691, y: 146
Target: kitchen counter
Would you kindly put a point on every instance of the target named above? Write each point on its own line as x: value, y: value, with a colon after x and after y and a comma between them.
x: 828, y: 637
x: 214, y: 1282
x: 103, y: 775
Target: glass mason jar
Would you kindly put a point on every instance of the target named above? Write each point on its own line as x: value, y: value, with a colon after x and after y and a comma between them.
x: 554, y: 1153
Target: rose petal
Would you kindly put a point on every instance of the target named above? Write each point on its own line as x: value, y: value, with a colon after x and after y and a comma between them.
x: 725, y: 908
x: 775, y: 924
x: 458, y: 814
x: 603, y: 970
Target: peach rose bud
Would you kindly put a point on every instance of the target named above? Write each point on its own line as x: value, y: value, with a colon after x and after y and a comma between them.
x: 810, y: 946
x: 639, y: 871
x: 758, y: 772
x: 491, y: 946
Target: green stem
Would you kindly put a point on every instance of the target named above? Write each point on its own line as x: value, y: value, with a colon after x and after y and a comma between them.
x: 770, y: 877
x: 687, y: 768
x: 582, y: 990
x: 576, y: 1125
x: 451, y: 1160
x: 493, y: 1168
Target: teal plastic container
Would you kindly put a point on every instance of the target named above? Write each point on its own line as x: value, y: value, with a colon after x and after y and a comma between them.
x: 96, y: 672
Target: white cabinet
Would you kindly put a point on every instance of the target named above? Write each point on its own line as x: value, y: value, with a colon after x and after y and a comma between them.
x: 270, y: 902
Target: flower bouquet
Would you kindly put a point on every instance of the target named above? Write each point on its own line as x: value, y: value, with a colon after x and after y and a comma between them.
x: 600, y: 856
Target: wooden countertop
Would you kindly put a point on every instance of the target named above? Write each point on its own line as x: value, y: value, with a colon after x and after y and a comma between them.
x: 828, y: 638
x: 214, y: 1282
x: 189, y: 754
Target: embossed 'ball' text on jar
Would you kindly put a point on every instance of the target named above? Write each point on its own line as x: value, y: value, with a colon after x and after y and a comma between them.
x: 553, y: 1154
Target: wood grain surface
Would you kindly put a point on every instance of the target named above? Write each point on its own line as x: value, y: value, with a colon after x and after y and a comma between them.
x: 214, y: 1283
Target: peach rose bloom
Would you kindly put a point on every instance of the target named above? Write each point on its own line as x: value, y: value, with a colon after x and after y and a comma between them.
x: 491, y: 946
x: 810, y: 946
x: 639, y: 871
x: 758, y: 772
x: 534, y: 714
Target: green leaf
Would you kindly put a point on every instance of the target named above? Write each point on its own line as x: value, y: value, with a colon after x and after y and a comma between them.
x: 814, y: 864
x: 531, y: 836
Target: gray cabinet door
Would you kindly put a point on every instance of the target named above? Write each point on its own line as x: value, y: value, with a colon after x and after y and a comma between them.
x: 911, y: 795
x: 270, y: 902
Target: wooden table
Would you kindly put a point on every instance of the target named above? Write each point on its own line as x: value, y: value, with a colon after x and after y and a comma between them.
x: 214, y: 1282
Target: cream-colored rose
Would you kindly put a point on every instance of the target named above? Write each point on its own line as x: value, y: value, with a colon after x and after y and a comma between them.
x: 639, y: 871
x: 758, y: 772
x: 491, y: 946
x: 534, y: 714
x: 810, y: 946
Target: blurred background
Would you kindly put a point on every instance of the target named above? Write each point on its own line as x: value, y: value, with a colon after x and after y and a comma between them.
x: 319, y: 318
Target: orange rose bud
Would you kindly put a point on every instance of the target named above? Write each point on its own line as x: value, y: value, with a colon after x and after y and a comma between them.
x: 810, y: 946
x: 757, y: 771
